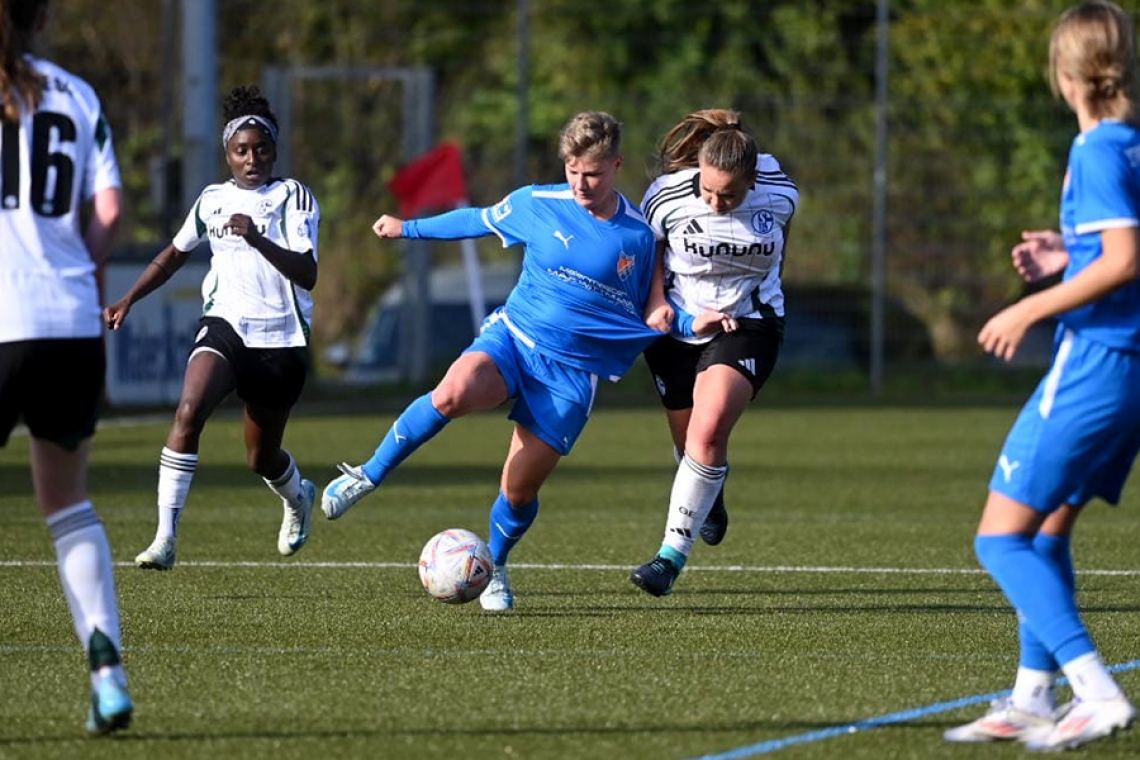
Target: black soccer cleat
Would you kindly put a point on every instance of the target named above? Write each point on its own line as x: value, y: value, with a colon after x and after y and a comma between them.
x: 656, y: 577
x: 716, y: 524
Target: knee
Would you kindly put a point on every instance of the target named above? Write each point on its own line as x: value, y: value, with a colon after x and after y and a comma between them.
x: 188, y: 420
x: 448, y: 399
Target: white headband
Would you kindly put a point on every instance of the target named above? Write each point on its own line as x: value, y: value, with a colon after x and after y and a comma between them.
x: 247, y: 122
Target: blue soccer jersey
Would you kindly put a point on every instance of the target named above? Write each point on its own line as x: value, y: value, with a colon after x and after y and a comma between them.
x: 1101, y: 192
x: 581, y: 295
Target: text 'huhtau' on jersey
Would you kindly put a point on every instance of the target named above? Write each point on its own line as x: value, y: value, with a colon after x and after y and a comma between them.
x: 242, y: 287
x: 729, y: 262
x: 52, y: 161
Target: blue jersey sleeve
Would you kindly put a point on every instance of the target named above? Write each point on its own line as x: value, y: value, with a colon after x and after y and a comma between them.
x: 682, y: 320
x: 512, y: 218
x: 459, y: 224
x: 1101, y: 176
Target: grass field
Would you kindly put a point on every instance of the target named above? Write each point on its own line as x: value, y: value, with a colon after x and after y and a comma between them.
x: 846, y: 591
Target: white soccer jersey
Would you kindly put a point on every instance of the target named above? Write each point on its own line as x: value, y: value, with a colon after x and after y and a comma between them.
x: 51, y: 162
x: 242, y: 287
x: 727, y: 262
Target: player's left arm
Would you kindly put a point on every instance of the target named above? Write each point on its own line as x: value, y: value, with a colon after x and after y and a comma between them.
x: 658, y: 309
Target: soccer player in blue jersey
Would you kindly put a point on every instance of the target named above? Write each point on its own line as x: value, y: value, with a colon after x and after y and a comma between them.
x: 1078, y: 435
x: 581, y: 310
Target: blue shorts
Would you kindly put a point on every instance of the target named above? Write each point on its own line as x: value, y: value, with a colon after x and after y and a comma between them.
x: 1078, y: 435
x: 552, y: 400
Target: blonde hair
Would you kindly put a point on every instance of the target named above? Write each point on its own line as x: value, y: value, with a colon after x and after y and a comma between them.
x: 19, y: 81
x: 714, y: 137
x: 592, y: 135
x: 1094, y: 44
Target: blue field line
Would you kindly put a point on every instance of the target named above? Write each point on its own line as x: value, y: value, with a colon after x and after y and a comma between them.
x: 774, y: 745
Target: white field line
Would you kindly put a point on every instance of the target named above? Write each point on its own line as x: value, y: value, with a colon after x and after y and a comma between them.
x: 758, y: 569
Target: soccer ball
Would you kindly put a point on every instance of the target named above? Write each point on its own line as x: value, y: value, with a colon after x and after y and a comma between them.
x: 455, y: 566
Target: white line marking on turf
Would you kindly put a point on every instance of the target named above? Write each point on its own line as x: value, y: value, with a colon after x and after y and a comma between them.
x: 774, y: 745
x: 775, y: 569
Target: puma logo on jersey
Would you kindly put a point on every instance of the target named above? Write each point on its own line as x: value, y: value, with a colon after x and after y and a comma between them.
x: 565, y: 240
x: 692, y: 228
x: 749, y: 365
x: 1007, y: 467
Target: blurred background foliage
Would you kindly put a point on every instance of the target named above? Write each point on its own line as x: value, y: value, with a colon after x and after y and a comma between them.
x: 977, y: 143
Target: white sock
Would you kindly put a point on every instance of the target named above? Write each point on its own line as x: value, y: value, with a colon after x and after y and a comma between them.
x: 175, y: 474
x: 288, y: 486
x: 1090, y: 679
x: 694, y: 490
x: 1033, y: 691
x: 83, y: 556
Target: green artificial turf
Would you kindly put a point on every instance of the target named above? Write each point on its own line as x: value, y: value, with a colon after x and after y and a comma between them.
x: 846, y: 590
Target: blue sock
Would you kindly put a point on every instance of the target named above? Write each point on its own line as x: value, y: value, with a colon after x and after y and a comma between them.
x: 508, y: 525
x: 677, y: 558
x: 1035, y: 587
x: 1057, y: 551
x: 416, y: 426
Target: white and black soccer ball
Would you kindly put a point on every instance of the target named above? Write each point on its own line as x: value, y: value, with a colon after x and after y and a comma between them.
x: 455, y: 566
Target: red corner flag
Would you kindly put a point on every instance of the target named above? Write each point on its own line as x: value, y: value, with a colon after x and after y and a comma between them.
x: 434, y: 180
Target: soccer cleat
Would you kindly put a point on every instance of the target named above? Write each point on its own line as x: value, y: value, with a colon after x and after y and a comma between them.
x: 344, y: 491
x: 716, y: 524
x: 1003, y: 722
x: 111, y: 707
x: 498, y: 596
x: 295, y: 524
x: 158, y: 556
x: 656, y: 576
x: 1084, y: 721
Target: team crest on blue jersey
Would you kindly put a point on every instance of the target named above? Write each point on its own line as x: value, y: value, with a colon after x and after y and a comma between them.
x: 501, y: 210
x: 763, y: 221
x: 625, y: 265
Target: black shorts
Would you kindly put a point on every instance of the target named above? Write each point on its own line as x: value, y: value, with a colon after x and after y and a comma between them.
x: 751, y: 350
x: 55, y: 385
x: 270, y: 378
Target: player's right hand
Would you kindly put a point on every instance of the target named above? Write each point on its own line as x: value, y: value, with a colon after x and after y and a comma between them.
x: 116, y: 313
x: 1040, y: 254
x: 389, y: 227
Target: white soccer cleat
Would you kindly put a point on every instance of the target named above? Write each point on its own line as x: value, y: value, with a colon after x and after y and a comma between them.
x: 295, y: 524
x: 1003, y: 722
x: 158, y: 556
x: 344, y: 491
x: 498, y: 596
x: 1087, y: 720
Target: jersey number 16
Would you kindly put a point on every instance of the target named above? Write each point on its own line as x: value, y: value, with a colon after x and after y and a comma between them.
x: 53, y: 172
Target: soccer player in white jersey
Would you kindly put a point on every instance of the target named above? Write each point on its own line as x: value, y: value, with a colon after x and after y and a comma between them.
x: 51, y: 347
x: 576, y: 314
x: 253, y: 337
x: 721, y: 211
x: 1077, y: 437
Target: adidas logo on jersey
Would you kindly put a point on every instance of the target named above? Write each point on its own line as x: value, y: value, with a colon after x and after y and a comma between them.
x: 692, y: 228
x: 749, y: 365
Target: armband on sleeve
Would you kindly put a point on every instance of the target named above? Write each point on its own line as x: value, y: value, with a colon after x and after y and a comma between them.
x: 454, y: 225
